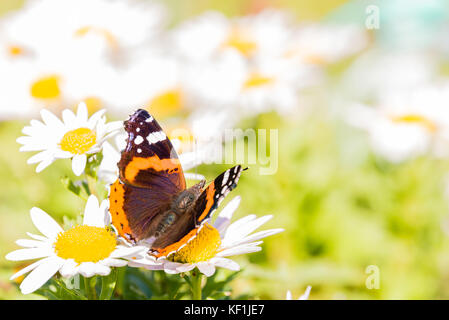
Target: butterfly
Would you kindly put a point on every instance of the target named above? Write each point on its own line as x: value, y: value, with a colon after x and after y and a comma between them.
x: 149, y: 201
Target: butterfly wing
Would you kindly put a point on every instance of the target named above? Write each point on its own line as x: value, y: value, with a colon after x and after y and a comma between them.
x: 207, y: 202
x: 215, y: 192
x: 149, y: 159
x: 150, y: 174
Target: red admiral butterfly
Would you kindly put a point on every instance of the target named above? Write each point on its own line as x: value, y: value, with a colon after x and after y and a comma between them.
x: 149, y: 200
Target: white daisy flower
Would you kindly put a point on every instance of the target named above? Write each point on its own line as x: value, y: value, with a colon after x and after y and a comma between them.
x: 304, y: 296
x: 162, y: 94
x: 88, y: 249
x: 84, y: 58
x: 93, y: 28
x: 214, y: 243
x: 322, y: 44
x: 388, y: 71
x: 406, y: 124
x: 76, y: 137
x: 264, y: 34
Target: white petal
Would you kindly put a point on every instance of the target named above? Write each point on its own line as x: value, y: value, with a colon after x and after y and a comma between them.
x: 69, y: 269
x: 44, y: 223
x: 238, y: 250
x: 253, y: 237
x: 27, y: 243
x: 40, y: 275
x: 225, y: 216
x: 240, y: 223
x: 29, y: 253
x: 225, y: 263
x: 82, y: 113
x: 249, y: 227
x: 61, y: 154
x: 104, y: 207
x: 245, y: 226
x: 87, y: 269
x: 36, y: 237
x: 41, y: 156
x: 51, y: 120
x: 189, y: 160
x: 93, y: 216
x: 102, y: 270
x: 44, y: 164
x: 27, y: 269
x: 129, y: 252
x: 111, y: 262
x: 185, y: 267
x: 92, y: 122
x: 306, y: 294
x: 68, y: 116
x: 208, y: 269
x: 141, y: 263
x: 113, y: 126
x: 79, y: 164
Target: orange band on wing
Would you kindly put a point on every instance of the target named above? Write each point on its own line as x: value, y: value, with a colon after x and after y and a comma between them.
x: 137, y: 164
x: 209, y: 200
x: 165, y: 252
x: 118, y: 215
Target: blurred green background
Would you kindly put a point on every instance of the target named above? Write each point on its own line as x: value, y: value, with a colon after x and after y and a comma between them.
x: 343, y: 209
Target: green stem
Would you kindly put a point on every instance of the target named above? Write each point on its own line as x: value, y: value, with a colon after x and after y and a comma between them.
x: 91, y: 182
x: 89, y: 287
x: 196, y: 280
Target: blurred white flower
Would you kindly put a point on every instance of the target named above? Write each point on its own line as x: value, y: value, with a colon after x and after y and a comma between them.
x: 76, y: 137
x: 210, y: 34
x: 322, y: 44
x: 304, y: 296
x: 386, y: 71
x: 90, y: 28
x: 88, y: 249
x: 81, y: 53
x: 151, y: 81
x: 213, y: 243
x: 406, y: 124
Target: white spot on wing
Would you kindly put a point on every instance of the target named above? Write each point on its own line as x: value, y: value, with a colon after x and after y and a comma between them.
x: 225, y: 178
x: 155, y: 137
x: 138, y: 140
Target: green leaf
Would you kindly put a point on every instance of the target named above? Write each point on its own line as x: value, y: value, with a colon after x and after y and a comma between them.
x: 70, y: 185
x: 217, y: 289
x: 66, y: 293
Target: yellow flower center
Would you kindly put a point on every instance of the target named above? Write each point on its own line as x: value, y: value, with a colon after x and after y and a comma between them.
x: 202, y: 248
x: 78, y: 141
x: 166, y: 104
x: 15, y: 50
x: 93, y: 104
x: 256, y: 80
x: 416, y: 119
x: 85, y: 244
x: 241, y: 42
x: 107, y: 35
x: 46, y: 88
